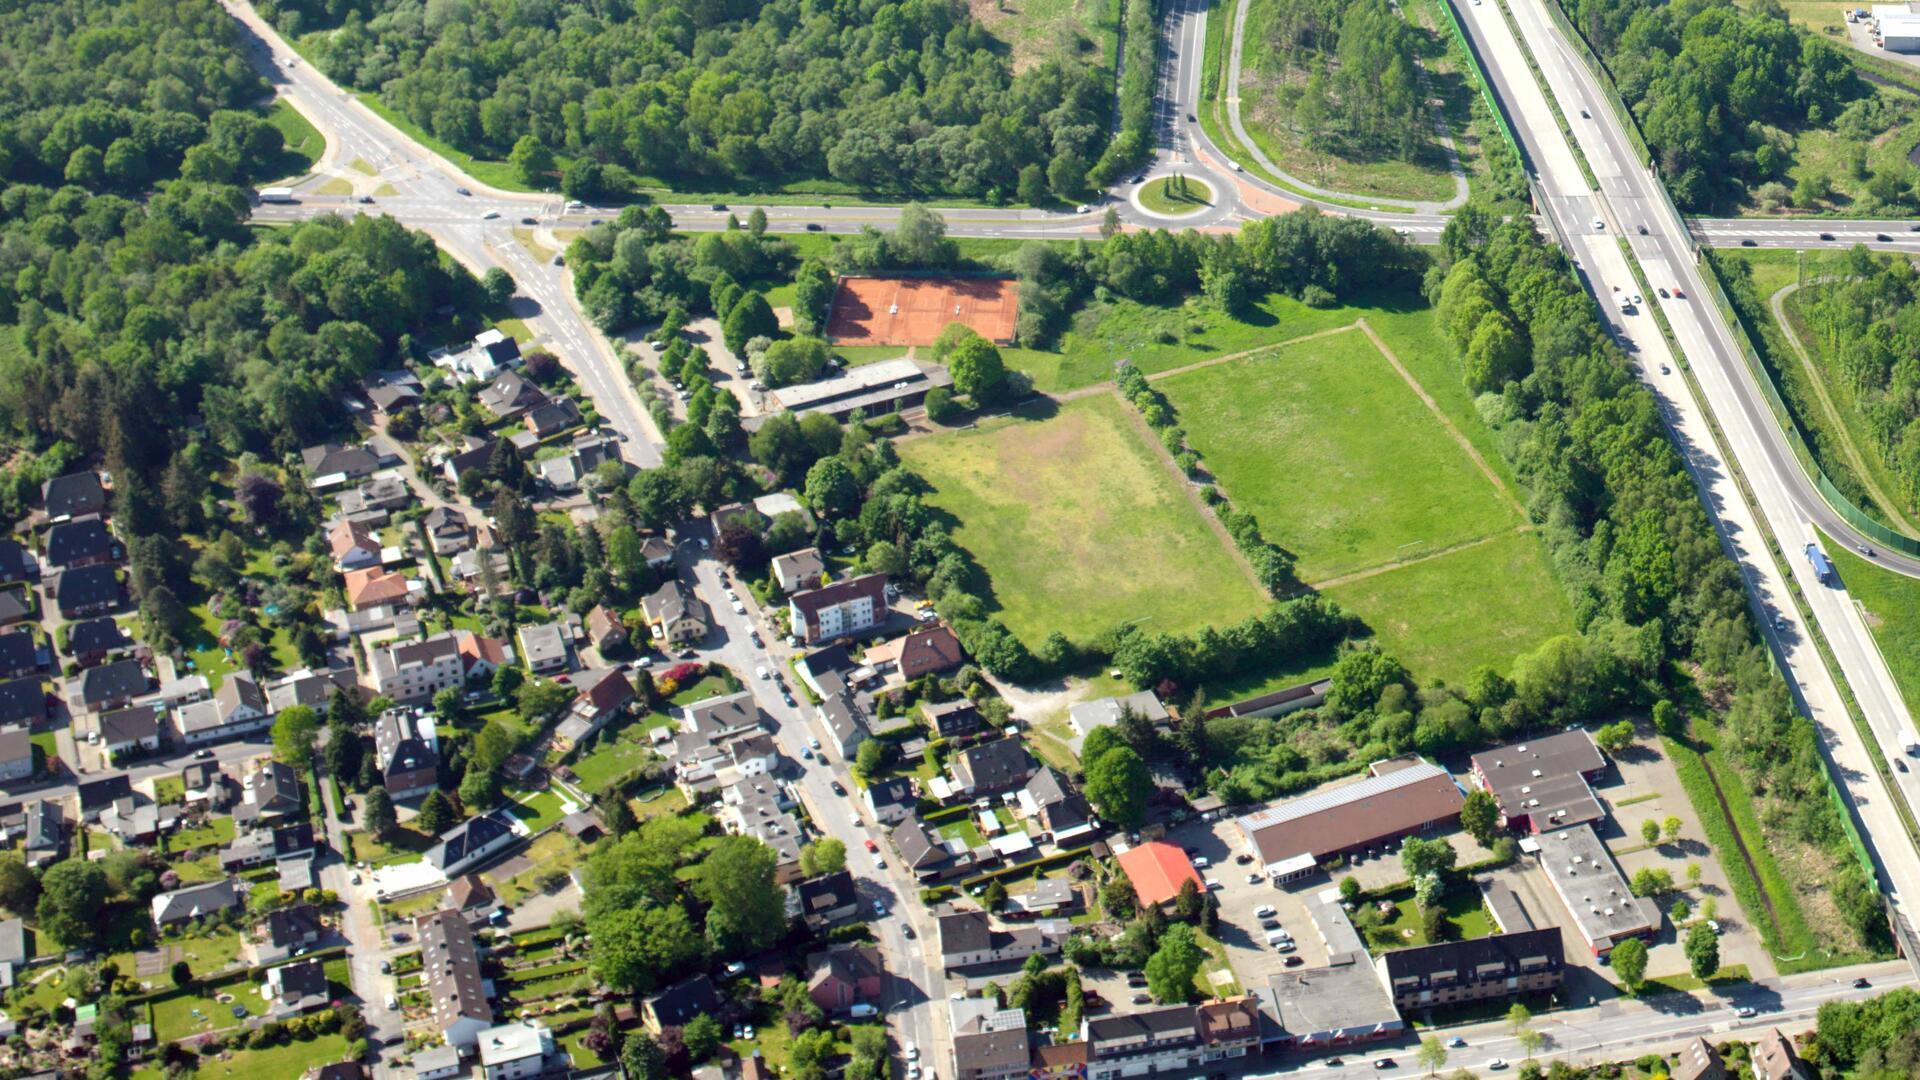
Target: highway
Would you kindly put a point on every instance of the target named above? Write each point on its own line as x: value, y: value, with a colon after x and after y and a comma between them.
x: 1591, y: 225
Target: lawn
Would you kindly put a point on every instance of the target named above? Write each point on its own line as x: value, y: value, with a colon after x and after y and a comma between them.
x: 1176, y: 196
x: 617, y: 752
x: 1891, y: 603
x: 1466, y: 919
x: 403, y: 846
x: 205, y: 655
x: 554, y: 853
x: 189, y: 1012
x: 169, y: 789
x: 1827, y: 152
x: 537, y: 809
x: 288, y: 1059
x: 1065, y: 513
x: 217, y: 831
x: 304, y: 143
x: 1335, y: 455
x: 1079, y: 32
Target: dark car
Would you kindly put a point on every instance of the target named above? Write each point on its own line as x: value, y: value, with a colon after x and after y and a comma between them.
x: 1899, y: 764
x: 461, y: 191
x: 907, y: 929
x: 1826, y: 236
x: 529, y: 221
x: 366, y: 200
x: 1883, y: 238
x: 1383, y: 1063
x: 1861, y: 983
x: 813, y: 226
x: 719, y: 206
x: 1747, y: 242
x: 1189, y: 118
x: 1294, y: 960
x: 838, y: 788
x: 203, y: 755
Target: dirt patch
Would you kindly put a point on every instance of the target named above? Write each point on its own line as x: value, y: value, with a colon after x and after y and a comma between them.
x: 913, y: 311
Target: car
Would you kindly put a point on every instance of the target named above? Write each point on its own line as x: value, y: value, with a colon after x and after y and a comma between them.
x: 1142, y: 999
x: 392, y: 1004
x: 529, y: 221
x: 1883, y: 238
x: 1665, y: 370
x: 1083, y: 208
x: 838, y: 788
x: 718, y: 206
x: 1213, y: 885
x: 1293, y: 961
x: 1253, y: 877
x: 1861, y: 983
x: 203, y: 755
x: 1663, y: 293
x: 399, y: 938
x: 749, y: 1031
x: 1643, y: 230
x: 1383, y: 1063
x: 1915, y: 227
x: 1779, y: 622
x: 1636, y: 299
x: 598, y: 221
x: 913, y: 1072
x: 1748, y: 242
x: 788, y: 698
x: 1264, y: 911
x: 1201, y: 862
x: 1826, y: 236
x: 1286, y: 946
x: 559, y: 260
x: 806, y: 752
x: 1584, y: 115
x: 1899, y: 764
x: 813, y: 742
x: 754, y: 636
x: 906, y: 930
x: 1456, y: 1042
x: 739, y: 1032
x: 489, y: 215
x: 1677, y: 294
x: 879, y: 862
x: 913, y: 1052
x: 1744, y: 1011
x: 1136, y: 979
x: 736, y: 968
x: 575, y: 204
x: 462, y: 191
x: 871, y: 846
x: 1865, y: 550
x: 1497, y: 1064
x: 366, y: 200
x: 1140, y: 179
x: 1236, y: 166
x: 1243, y: 858
x: 1599, y: 225
x: 813, y: 226
x: 386, y: 967
x: 1333, y: 1063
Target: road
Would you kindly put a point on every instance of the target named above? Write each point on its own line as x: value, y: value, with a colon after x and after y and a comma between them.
x: 1590, y: 224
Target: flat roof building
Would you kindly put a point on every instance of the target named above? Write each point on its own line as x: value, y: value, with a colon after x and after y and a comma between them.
x: 888, y: 386
x: 1342, y: 1003
x: 1594, y: 890
x: 1543, y: 784
x: 1383, y: 807
x: 1452, y: 972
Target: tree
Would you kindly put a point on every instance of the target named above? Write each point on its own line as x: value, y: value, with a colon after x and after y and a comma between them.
x: 920, y: 239
x: 1171, y: 968
x: 1703, y: 951
x: 376, y: 814
x: 824, y: 856
x: 182, y: 973
x: 1422, y: 857
x: 637, y: 949
x: 831, y: 488
x: 1693, y: 875
x: 642, y: 1059
x: 1629, y: 960
x: 1669, y: 720
x: 498, y: 285
x: 1432, y: 1054
x: 747, y: 910
x: 1650, y: 831
x: 702, y: 1033
x: 996, y: 897
x: 532, y: 162
x: 1615, y: 737
x: 1350, y: 889
x: 1480, y: 817
x: 1670, y: 828
x: 1518, y: 1017
x: 293, y: 733
x: 1529, y: 1041
x: 1117, y: 784
x: 978, y: 370
x: 19, y: 889
x: 751, y: 317
x: 1032, y: 187
x: 436, y: 813
x: 1680, y: 912
x: 259, y: 496
x: 73, y: 903
x: 870, y: 758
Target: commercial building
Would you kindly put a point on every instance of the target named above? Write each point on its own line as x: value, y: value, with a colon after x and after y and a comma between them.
x: 1543, y: 784
x: 1897, y: 27
x: 1172, y: 1039
x: 888, y: 386
x: 1452, y: 972
x: 844, y: 607
x: 1593, y: 889
x: 1291, y: 838
x: 1337, y: 1005
x: 1158, y: 870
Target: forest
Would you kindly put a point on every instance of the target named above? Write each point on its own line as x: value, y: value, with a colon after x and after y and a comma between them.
x: 1718, y: 90
x: 883, y: 97
x: 1346, y: 74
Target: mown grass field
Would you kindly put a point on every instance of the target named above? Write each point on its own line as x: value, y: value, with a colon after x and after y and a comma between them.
x: 304, y: 143
x: 1080, y: 525
x: 1336, y: 455
x: 1892, y: 604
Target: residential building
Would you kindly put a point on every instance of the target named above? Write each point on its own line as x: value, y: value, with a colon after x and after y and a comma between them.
x: 516, y: 1051
x: 268, y: 794
x: 948, y: 719
x: 15, y: 951
x: 353, y: 545
x: 890, y: 800
x: 1044, y: 897
x: 136, y: 729
x: 674, y: 614
x: 473, y: 898
x: 989, y: 1043
x: 194, y: 901
x: 929, y: 650
x: 447, y: 530
x: 73, y: 495
x: 475, y: 454
x: 1061, y: 811
x: 413, y: 672
x: 844, y: 607
x: 843, y: 721
x: 602, y: 694
x: 23, y: 701
x: 1698, y: 1060
x: 552, y: 417
x: 1454, y: 972
x: 657, y: 551
x: 297, y: 988
x: 845, y: 975
x: 1775, y: 1059
x: 798, y: 571
x: 459, y: 997
x: 605, y: 630
x: 827, y: 899
x: 701, y: 753
x: 134, y: 819
x: 19, y: 654
x: 1158, y: 870
x: 510, y: 395
x: 373, y: 586
x: 16, y: 562
x: 283, y: 932
x: 1172, y: 1039
x: 331, y: 465
x: 407, y: 752
x: 82, y: 542
x: 1594, y: 889
x: 95, y: 796
x: 969, y: 939
x: 992, y: 767
x: 441, y: 1063
x: 112, y: 686
x: 1543, y: 784
x: 759, y: 808
x: 1290, y: 838
x: 390, y: 398
x: 16, y: 755
x: 1341, y: 1004
x: 16, y: 605
x: 498, y: 347
x: 45, y: 839
x: 546, y: 649
x: 92, y: 642
x: 468, y: 844
x: 85, y: 590
x: 1106, y: 712
x: 679, y: 1003
x: 238, y: 708
x: 374, y: 500
x: 921, y: 851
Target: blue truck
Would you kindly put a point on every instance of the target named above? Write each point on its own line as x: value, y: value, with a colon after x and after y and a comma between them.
x: 1822, y: 568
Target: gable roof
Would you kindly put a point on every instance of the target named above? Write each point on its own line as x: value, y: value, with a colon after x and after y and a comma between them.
x: 71, y: 541
x: 104, y: 792
x: 450, y: 964
x: 15, y: 744
x: 74, y: 494
x: 991, y: 766
x: 195, y: 901
x: 18, y: 652
x: 22, y: 701
x: 825, y: 893
x: 346, y: 535
x: 119, y: 679
x: 330, y: 458
x: 684, y: 1000
x: 289, y: 925
x: 13, y: 602
x: 374, y: 585
x: 458, y: 844
x: 1157, y: 871
x: 931, y: 648
x: 803, y: 565
x: 810, y: 602
x: 132, y: 724
x: 96, y: 635
x: 239, y: 690
x: 85, y: 586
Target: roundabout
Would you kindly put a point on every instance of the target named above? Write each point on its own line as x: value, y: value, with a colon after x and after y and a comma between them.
x: 1176, y: 195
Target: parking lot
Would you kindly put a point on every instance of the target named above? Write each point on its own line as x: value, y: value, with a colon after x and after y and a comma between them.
x: 1242, y: 929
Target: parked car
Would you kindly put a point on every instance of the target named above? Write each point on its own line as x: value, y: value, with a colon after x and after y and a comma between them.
x: 871, y: 846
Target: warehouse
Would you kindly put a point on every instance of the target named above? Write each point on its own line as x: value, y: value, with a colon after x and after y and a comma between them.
x: 1543, y: 784
x: 1897, y: 27
x: 1592, y: 887
x: 1395, y: 800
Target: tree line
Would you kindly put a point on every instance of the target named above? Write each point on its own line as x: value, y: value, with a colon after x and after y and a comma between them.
x: 913, y: 96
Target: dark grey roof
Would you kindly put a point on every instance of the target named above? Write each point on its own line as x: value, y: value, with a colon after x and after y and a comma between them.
x: 13, y: 605
x: 194, y: 901
x: 85, y: 586
x: 965, y: 932
x: 684, y: 1000
x: 22, y: 701
x: 917, y: 846
x: 329, y: 458
x: 130, y: 725
x: 96, y: 635
x: 104, y: 792
x: 303, y: 978
x: 74, y: 494
x: 825, y: 893
x: 289, y: 925
x: 1481, y: 959
x: 994, y: 766
x: 71, y: 541
x: 896, y: 791
x: 17, y: 652
x: 1153, y: 1024
x: 119, y: 679
x: 292, y: 839
x: 458, y: 843
x: 46, y: 820
x: 450, y: 964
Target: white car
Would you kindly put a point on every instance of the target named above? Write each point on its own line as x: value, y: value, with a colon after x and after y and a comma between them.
x: 1213, y: 885
x: 1497, y: 1064
x: 1599, y: 225
x: 913, y: 1052
x: 1201, y: 862
x: 762, y: 673
x: 879, y: 863
x: 392, y: 1002
x: 813, y: 742
x: 1083, y: 208
x: 1264, y: 911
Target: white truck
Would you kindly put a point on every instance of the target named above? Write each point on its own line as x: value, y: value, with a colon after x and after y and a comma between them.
x: 276, y: 195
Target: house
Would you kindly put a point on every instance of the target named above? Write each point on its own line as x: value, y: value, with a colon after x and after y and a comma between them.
x: 1158, y: 871
x: 92, y: 641
x: 1047, y: 896
x: 112, y: 686
x: 16, y: 562
x: 468, y: 844
x: 845, y: 975
x: 498, y: 348
x: 969, y: 939
x: 194, y: 902
x: 602, y: 694
x: 372, y: 585
x: 992, y: 1043
x: 15, y: 950
x: 19, y: 655
x: 475, y: 456
x: 85, y: 590
x: 97, y: 795
x: 482, y: 655
x: 407, y: 752
x: 1457, y: 972
x: 518, y: 1050
x: 930, y: 650
x: 73, y: 495
x: 844, y: 722
x: 269, y: 793
x: 352, y: 545
x: 297, y: 988
x: 679, y: 1003
x: 330, y: 465
x: 16, y: 754
x: 947, y: 719
x: 441, y: 1063
x: 457, y: 993
x: 890, y: 800
x: 545, y: 649
x: 510, y: 395
x: 282, y: 932
x: 133, y: 730
x: 240, y: 707
x: 373, y: 501
x: 1172, y: 1039
x: 797, y: 571
x: 605, y: 629
x: 827, y: 899
x: 1774, y: 1059
x: 674, y: 615
x: 701, y: 752
x: 552, y: 417
x: 207, y: 784
x: 1061, y: 811
x: 583, y: 458
x: 1698, y: 1060
x: 657, y: 551
x: 82, y: 542
x: 23, y: 701
x: 45, y: 839
x: 992, y: 767
x: 921, y: 851
x: 135, y: 819
x: 447, y: 530
x: 1106, y: 712
x: 16, y: 605
x: 390, y: 398
x: 844, y: 607
x: 473, y: 898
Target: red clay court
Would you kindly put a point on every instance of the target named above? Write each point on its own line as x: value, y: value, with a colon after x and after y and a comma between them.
x: 913, y: 311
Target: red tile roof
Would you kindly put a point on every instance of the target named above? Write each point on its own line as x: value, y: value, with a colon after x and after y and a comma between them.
x: 1156, y: 870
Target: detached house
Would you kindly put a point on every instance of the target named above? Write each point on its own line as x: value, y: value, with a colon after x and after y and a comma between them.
x: 844, y: 607
x: 827, y: 899
x: 678, y: 1004
x: 550, y: 418
x: 194, y: 902
x: 798, y: 571
x: 468, y: 844
x: 969, y: 939
x: 845, y: 975
x: 407, y: 752
x: 510, y: 395
x: 674, y: 615
x: 993, y: 767
x: 373, y: 586
x: 447, y: 530
x: 605, y: 629
x: 353, y: 546
x: 602, y: 695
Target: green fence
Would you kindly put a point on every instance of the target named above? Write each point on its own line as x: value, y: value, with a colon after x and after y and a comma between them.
x: 1480, y: 75
x: 1853, y: 833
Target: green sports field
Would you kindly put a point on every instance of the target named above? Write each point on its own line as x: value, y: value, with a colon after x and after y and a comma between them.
x: 1081, y: 526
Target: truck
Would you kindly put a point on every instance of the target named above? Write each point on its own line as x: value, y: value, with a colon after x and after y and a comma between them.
x: 276, y: 195
x: 1822, y: 569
